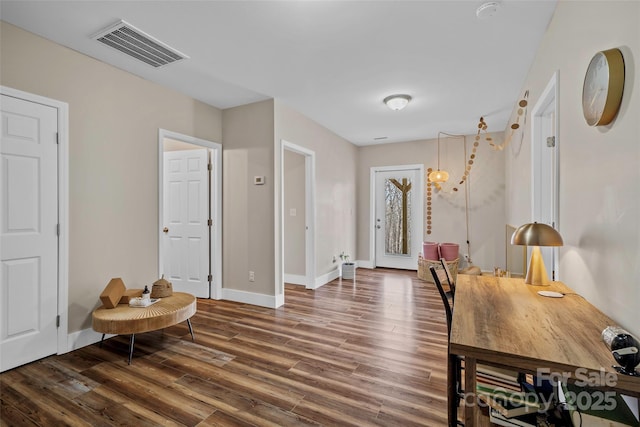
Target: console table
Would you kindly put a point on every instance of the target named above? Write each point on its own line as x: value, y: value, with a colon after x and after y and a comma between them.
x: 124, y: 319
x: 504, y: 322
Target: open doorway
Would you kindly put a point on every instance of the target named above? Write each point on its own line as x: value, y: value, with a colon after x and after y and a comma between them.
x: 294, y: 218
x: 190, y: 212
x: 290, y: 155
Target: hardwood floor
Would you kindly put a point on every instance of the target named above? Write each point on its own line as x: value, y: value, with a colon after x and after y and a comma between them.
x: 365, y: 353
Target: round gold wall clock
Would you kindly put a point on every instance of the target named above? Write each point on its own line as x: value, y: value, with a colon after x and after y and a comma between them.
x: 603, y: 86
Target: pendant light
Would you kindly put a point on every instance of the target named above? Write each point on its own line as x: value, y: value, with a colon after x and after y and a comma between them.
x: 439, y: 175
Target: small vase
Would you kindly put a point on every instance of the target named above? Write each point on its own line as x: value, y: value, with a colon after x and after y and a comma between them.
x: 348, y: 271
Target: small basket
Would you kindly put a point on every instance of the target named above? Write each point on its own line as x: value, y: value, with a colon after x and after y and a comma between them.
x: 161, y: 288
x: 425, y: 274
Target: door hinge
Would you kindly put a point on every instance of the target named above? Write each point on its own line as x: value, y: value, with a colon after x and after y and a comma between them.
x: 210, y: 222
x: 210, y: 278
x: 58, y: 229
x: 57, y: 138
x: 210, y: 166
x: 551, y: 141
x: 58, y: 321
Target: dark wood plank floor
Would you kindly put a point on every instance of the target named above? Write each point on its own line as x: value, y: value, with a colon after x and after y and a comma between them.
x: 365, y: 353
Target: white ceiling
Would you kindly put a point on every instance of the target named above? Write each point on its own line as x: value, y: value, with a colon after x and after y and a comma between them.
x: 333, y: 61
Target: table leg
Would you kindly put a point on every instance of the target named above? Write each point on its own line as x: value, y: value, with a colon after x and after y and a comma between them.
x: 471, y: 410
x: 191, y: 330
x: 102, y: 339
x: 133, y: 336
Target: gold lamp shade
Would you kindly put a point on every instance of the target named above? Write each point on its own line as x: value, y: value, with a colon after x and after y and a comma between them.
x: 438, y: 176
x: 536, y: 235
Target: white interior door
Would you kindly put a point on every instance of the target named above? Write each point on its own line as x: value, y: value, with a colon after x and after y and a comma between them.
x: 545, y: 182
x: 29, y: 232
x: 186, y: 232
x: 397, y: 222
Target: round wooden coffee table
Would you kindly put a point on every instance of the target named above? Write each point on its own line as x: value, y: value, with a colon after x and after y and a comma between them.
x: 124, y: 319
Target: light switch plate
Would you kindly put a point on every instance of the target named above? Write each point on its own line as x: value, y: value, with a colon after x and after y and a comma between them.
x: 258, y: 180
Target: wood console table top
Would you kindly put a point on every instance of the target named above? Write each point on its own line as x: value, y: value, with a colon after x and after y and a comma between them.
x: 505, y: 322
x: 123, y: 319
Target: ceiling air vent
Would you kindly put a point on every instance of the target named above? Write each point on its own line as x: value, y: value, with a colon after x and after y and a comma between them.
x: 139, y: 45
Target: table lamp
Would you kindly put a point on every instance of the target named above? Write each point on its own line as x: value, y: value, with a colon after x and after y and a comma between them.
x: 536, y: 235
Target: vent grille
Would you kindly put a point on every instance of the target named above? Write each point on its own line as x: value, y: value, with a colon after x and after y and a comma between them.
x: 136, y: 43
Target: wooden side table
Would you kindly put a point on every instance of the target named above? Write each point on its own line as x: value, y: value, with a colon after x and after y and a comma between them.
x: 123, y: 319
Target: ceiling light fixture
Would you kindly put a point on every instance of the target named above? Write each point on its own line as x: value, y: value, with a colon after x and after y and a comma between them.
x: 487, y: 10
x: 438, y: 175
x: 397, y: 102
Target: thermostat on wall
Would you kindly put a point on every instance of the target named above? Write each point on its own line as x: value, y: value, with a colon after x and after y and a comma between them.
x: 258, y: 180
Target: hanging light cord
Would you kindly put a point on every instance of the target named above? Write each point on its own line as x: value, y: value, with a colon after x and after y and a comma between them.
x: 466, y: 187
x: 439, y: 149
x: 466, y: 203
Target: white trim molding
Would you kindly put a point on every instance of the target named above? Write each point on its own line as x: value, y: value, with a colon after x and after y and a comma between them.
x: 262, y: 300
x: 310, y: 215
x: 295, y: 279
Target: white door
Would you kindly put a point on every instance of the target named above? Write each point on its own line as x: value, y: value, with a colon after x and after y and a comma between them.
x: 28, y: 233
x: 186, y: 233
x: 545, y: 170
x: 397, y: 222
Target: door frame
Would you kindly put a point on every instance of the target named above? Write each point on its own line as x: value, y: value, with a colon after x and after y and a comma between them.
x: 310, y: 216
x: 419, y: 230
x: 63, y: 207
x: 547, y: 102
x: 215, y: 204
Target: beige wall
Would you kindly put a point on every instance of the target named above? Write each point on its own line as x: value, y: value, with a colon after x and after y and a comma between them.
x: 114, y: 118
x: 335, y: 184
x: 486, y: 201
x: 599, y: 214
x: 294, y: 225
x: 248, y: 209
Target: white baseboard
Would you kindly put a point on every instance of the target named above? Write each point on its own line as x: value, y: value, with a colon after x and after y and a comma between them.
x: 295, y: 279
x: 326, y: 278
x: 262, y: 300
x: 84, y: 338
x: 365, y: 264
x: 318, y: 282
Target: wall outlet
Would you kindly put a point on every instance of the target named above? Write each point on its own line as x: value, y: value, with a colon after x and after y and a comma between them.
x: 252, y: 276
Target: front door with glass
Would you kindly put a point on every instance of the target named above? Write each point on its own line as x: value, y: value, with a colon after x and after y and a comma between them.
x: 397, y: 218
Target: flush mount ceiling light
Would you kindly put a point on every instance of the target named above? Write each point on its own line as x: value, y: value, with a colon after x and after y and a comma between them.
x: 488, y: 9
x: 397, y: 102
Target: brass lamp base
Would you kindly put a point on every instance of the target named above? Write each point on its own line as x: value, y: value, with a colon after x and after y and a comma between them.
x: 537, y: 273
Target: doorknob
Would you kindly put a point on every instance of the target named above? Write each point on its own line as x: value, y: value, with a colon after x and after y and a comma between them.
x: 165, y: 230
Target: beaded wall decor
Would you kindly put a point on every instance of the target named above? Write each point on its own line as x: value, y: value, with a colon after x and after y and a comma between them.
x: 522, y: 112
x: 482, y: 127
x: 429, y: 201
